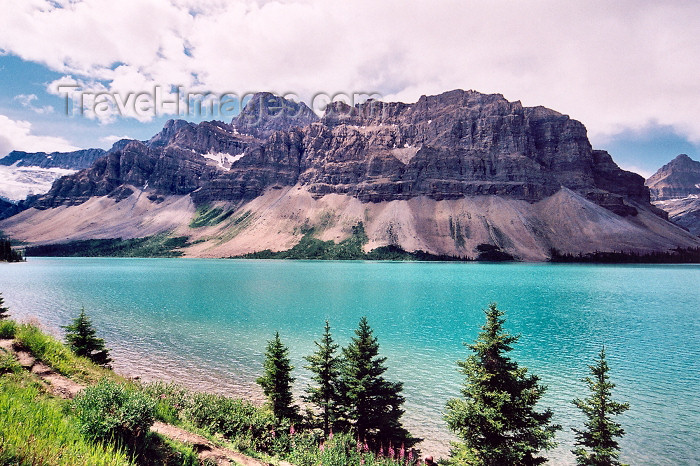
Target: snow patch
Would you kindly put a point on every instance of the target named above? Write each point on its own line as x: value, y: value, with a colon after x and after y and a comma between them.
x: 16, y: 183
x: 222, y: 159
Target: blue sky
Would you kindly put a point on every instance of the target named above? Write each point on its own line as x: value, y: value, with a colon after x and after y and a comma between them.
x: 628, y: 69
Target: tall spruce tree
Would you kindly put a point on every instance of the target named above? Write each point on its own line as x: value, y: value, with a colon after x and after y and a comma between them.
x: 325, y: 366
x: 277, y: 379
x: 371, y: 403
x: 496, y: 420
x: 81, y: 338
x: 597, y: 442
x: 4, y: 311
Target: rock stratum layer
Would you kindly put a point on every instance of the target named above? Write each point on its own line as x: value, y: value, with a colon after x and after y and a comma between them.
x: 442, y: 175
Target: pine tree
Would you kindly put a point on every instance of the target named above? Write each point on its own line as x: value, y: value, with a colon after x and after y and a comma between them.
x: 4, y: 311
x: 496, y: 420
x: 277, y: 379
x: 371, y: 403
x: 81, y: 338
x: 597, y: 444
x: 325, y: 366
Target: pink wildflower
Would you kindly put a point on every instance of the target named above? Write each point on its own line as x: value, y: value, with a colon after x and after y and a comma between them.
x: 391, y: 451
x: 291, y: 429
x: 322, y: 446
x: 402, y: 451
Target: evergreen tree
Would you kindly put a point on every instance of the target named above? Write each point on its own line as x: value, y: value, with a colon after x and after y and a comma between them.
x: 277, y: 379
x: 325, y: 366
x: 81, y: 338
x: 4, y: 311
x: 496, y: 420
x: 597, y: 444
x: 372, y: 404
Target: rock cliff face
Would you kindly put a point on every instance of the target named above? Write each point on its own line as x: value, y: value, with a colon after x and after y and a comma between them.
x: 426, y: 159
x: 444, y: 147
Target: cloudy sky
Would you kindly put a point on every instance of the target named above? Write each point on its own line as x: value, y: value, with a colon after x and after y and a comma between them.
x: 629, y: 70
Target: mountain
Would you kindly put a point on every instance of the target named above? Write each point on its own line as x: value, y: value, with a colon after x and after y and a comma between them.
x: 445, y: 175
x: 76, y: 160
x: 24, y: 174
x: 675, y: 188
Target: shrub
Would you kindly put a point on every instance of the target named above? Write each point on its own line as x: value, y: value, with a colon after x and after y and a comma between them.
x: 247, y: 426
x: 112, y: 412
x: 7, y: 328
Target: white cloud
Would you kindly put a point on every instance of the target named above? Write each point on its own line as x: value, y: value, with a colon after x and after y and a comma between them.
x: 613, y: 65
x: 111, y: 139
x: 17, y: 135
x: 26, y: 102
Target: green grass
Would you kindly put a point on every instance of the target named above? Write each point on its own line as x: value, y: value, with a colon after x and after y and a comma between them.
x: 35, y: 430
x: 206, y: 216
x: 55, y: 354
x: 8, y: 363
x: 162, y: 245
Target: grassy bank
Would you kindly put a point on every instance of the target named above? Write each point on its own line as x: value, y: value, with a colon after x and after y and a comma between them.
x: 351, y: 248
x: 107, y: 423
x: 37, y: 428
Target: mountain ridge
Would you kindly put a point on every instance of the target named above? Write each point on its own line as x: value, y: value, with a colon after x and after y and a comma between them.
x: 376, y: 157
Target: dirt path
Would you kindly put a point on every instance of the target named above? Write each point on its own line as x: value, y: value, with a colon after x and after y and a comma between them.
x: 66, y: 388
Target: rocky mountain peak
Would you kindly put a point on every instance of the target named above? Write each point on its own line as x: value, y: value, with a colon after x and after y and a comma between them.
x: 166, y: 135
x: 677, y: 179
x: 266, y: 113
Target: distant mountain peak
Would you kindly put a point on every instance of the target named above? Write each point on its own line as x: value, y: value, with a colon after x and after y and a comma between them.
x: 677, y: 179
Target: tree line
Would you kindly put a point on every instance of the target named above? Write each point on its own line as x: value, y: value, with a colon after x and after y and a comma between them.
x: 496, y: 418
x: 7, y: 253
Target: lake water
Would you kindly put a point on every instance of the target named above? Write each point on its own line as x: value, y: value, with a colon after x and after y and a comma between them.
x: 204, y: 323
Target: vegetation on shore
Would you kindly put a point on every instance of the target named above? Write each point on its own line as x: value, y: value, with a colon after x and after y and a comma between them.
x: 81, y: 338
x: 162, y: 245
x: 7, y: 253
x: 354, y: 417
x: 38, y: 428
x: 351, y: 248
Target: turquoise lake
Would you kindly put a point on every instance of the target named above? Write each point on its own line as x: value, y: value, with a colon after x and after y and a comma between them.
x: 205, y: 323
